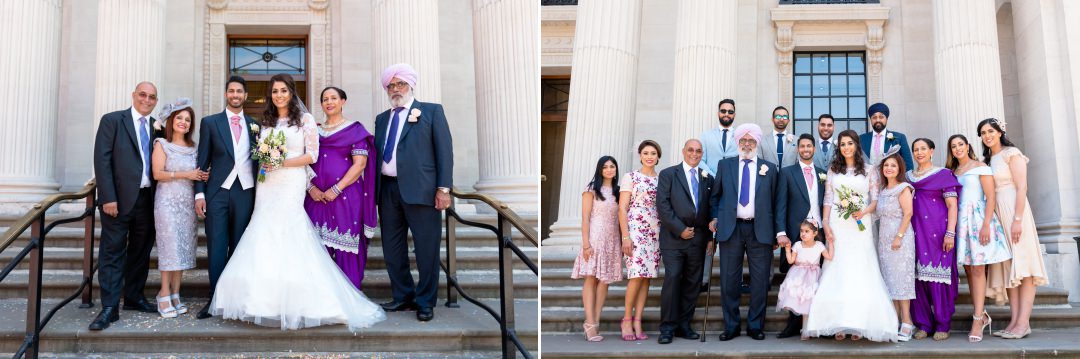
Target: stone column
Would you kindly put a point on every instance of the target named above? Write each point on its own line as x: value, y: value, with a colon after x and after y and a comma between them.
x: 130, y: 49
x: 507, y: 100
x: 967, y: 65
x: 603, y: 87
x: 705, y: 67
x: 31, y: 69
x: 406, y: 31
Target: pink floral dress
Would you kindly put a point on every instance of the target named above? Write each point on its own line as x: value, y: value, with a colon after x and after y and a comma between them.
x: 643, y: 223
x: 605, y: 263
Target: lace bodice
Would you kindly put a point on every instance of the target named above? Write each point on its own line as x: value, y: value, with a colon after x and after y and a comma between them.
x: 298, y: 141
x: 867, y: 185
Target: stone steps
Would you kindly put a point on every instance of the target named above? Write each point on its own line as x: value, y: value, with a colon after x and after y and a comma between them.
x: 455, y: 332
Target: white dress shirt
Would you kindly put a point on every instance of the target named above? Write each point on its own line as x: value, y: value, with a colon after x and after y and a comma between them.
x: 880, y: 148
x: 686, y: 172
x: 747, y: 211
x: 135, y: 115
x: 390, y: 168
x: 811, y: 190
x: 241, y: 155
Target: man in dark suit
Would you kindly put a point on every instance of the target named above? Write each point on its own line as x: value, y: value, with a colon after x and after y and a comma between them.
x: 682, y: 201
x: 744, y: 221
x: 125, y: 186
x: 227, y: 199
x: 416, y: 167
x: 799, y: 197
x: 880, y: 140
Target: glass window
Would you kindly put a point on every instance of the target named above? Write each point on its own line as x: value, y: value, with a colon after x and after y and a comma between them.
x: 829, y: 82
x: 267, y: 56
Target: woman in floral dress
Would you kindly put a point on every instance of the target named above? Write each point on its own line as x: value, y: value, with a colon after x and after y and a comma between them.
x: 639, y: 224
x: 600, y: 259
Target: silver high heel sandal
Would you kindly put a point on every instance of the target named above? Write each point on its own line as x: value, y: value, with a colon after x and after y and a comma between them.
x: 979, y: 338
x: 167, y: 312
x: 181, y: 308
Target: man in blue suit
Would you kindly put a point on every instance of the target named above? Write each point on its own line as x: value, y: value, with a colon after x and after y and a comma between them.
x: 719, y: 143
x: 416, y: 167
x: 876, y: 142
x: 227, y: 199
x: 744, y: 223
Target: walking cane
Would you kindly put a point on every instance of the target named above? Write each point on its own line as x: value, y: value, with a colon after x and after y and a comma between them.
x: 707, y: 282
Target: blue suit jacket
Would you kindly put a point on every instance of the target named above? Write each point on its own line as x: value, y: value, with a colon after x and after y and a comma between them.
x: 712, y: 143
x: 793, y: 201
x: 725, y: 198
x: 867, y: 139
x: 425, y: 153
x: 216, y: 151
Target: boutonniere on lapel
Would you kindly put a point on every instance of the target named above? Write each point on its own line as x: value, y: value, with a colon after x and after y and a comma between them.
x: 254, y: 129
x: 889, y: 136
x: 414, y: 115
x: 159, y: 124
x: 790, y: 138
x: 821, y: 177
x: 764, y: 169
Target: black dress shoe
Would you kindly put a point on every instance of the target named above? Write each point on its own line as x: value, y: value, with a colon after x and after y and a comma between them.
x: 726, y: 335
x: 665, y: 338
x: 425, y: 314
x: 687, y: 334
x: 396, y: 306
x: 140, y: 305
x: 756, y: 334
x: 793, y: 327
x: 205, y: 312
x: 744, y: 288
x: 107, y: 316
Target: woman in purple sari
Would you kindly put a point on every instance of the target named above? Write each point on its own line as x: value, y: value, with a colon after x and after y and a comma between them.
x: 935, y: 217
x: 341, y: 194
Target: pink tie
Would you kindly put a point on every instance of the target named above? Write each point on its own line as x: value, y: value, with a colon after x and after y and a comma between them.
x: 877, y: 145
x: 235, y: 121
x: 809, y: 179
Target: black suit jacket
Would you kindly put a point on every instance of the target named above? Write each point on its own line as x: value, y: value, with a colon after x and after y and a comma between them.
x: 793, y: 200
x: 725, y: 200
x: 425, y: 153
x: 677, y: 211
x: 216, y: 151
x: 118, y: 166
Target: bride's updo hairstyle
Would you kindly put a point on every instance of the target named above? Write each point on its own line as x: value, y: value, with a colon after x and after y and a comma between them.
x: 270, y: 112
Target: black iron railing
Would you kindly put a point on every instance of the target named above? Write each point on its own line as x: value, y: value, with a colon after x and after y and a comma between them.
x: 507, y: 220
x: 35, y: 222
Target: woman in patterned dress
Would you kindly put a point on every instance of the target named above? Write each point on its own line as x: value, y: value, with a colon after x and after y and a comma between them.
x: 173, y: 165
x: 639, y: 225
x: 600, y: 259
x: 896, y: 241
x: 980, y: 240
x: 1014, y: 211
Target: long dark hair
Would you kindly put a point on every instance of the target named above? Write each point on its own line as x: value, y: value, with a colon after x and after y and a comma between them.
x: 993, y: 122
x: 952, y: 163
x: 838, y: 164
x: 191, y: 128
x: 270, y: 113
x: 901, y: 175
x: 598, y: 178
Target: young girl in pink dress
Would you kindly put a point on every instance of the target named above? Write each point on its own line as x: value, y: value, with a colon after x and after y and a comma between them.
x: 797, y: 291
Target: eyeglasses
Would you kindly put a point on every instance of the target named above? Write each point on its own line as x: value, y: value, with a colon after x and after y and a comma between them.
x: 144, y: 95
x: 781, y: 117
x: 397, y: 85
x: 727, y: 112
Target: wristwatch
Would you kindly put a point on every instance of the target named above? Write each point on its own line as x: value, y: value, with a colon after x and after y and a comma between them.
x: 444, y: 190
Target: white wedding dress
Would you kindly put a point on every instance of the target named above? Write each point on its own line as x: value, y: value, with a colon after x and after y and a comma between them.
x: 851, y: 295
x: 280, y: 274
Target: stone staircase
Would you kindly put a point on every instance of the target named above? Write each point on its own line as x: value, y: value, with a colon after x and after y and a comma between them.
x: 562, y: 316
x: 467, y: 331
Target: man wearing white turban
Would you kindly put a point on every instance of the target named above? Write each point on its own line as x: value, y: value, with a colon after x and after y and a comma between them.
x: 416, y: 167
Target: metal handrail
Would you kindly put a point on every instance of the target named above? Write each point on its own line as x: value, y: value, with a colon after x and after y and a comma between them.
x: 35, y: 221
x: 507, y: 218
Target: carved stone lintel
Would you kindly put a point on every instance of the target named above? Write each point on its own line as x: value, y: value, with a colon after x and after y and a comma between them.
x: 217, y: 4
x: 785, y: 44
x: 318, y: 5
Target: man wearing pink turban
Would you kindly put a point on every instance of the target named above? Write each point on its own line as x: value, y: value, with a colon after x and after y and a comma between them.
x: 416, y: 166
x: 744, y: 223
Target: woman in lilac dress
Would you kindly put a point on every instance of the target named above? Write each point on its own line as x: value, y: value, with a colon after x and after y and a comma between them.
x: 341, y: 195
x: 935, y: 212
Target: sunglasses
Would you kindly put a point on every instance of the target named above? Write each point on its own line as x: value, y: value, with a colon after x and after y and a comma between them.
x: 781, y: 117
x: 727, y: 112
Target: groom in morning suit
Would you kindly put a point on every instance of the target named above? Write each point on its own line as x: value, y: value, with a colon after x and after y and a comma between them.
x: 416, y: 168
x: 125, y: 191
x: 744, y: 222
x: 682, y: 202
x: 799, y: 197
x: 227, y: 199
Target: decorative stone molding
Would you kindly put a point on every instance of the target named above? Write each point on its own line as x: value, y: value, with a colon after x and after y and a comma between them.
x: 813, y: 27
x: 557, y: 26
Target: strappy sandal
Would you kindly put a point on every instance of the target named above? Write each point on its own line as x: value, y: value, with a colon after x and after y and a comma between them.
x: 905, y: 332
x: 979, y: 338
x: 622, y: 327
x: 642, y: 335
x: 590, y: 332
x: 181, y: 308
x: 167, y: 312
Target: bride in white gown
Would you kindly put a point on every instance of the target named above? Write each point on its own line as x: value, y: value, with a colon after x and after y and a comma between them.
x: 851, y: 298
x: 280, y: 274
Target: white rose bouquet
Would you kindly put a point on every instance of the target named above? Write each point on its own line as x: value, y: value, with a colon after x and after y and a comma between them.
x: 850, y: 202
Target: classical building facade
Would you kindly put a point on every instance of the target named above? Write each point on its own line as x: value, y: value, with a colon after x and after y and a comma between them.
x: 72, y: 61
x: 616, y: 72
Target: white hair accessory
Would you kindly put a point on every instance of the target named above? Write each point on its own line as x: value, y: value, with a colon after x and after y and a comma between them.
x: 169, y: 109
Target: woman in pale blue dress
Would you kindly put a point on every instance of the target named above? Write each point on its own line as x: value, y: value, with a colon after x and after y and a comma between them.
x: 980, y: 239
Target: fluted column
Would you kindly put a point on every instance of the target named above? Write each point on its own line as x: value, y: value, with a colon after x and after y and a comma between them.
x: 603, y: 83
x: 967, y: 65
x: 130, y: 49
x: 705, y: 68
x: 507, y: 99
x: 406, y: 31
x: 30, y: 68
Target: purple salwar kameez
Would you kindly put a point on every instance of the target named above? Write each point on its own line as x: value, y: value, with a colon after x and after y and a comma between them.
x: 936, y: 283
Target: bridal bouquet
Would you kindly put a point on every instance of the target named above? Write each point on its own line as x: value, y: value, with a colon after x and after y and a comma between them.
x: 850, y: 202
x: 270, y: 151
